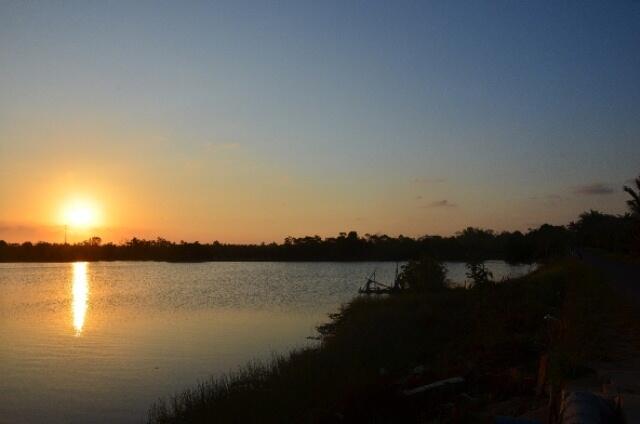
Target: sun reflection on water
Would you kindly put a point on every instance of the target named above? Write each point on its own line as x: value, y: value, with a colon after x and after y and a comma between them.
x: 80, y: 295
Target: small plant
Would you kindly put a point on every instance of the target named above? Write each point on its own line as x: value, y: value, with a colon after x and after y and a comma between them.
x: 479, y: 274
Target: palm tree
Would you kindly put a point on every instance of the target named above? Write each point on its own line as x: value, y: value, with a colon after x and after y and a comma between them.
x: 634, y: 202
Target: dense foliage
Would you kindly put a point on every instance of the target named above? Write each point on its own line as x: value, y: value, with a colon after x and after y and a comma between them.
x: 592, y: 229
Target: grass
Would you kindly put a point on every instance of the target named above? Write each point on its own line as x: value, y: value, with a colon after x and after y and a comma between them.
x: 632, y: 258
x: 493, y: 336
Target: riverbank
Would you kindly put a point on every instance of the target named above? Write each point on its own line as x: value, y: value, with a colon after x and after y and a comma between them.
x: 375, y: 349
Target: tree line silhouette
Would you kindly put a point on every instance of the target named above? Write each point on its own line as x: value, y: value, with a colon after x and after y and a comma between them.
x: 593, y: 229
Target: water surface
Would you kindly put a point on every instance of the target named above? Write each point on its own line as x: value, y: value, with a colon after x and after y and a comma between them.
x: 99, y: 342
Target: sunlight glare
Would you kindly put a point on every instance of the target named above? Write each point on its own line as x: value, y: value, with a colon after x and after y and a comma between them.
x: 80, y: 295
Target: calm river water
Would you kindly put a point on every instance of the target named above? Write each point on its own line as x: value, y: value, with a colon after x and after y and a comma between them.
x: 99, y: 342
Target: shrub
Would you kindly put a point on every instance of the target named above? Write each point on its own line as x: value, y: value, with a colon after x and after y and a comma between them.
x: 425, y: 274
x: 479, y: 274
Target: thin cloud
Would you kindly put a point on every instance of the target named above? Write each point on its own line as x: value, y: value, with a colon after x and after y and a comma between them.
x: 595, y: 189
x: 10, y: 227
x: 444, y: 203
x: 423, y: 180
x: 549, y: 199
x: 18, y: 232
x: 546, y: 197
x: 217, y: 147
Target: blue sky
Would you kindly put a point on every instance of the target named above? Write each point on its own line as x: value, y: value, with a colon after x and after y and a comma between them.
x: 250, y: 121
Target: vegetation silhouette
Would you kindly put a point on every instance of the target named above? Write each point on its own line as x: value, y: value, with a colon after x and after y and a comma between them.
x: 592, y: 229
x: 425, y: 274
x: 634, y: 202
x: 479, y: 274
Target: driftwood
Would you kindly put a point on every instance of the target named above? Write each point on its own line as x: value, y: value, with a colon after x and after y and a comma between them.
x: 372, y: 286
x: 434, y: 386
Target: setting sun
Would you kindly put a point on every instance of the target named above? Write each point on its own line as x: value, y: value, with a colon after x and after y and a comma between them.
x: 80, y: 214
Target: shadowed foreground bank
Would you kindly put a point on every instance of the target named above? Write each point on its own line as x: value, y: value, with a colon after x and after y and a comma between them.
x: 377, y: 348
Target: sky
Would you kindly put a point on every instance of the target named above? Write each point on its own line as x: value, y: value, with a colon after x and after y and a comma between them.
x: 252, y: 121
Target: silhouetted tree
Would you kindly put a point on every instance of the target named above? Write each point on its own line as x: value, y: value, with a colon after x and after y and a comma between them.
x: 549, y: 241
x: 479, y: 274
x: 634, y: 208
x: 477, y: 241
x: 425, y: 274
x: 603, y: 231
x: 634, y: 202
x: 93, y: 241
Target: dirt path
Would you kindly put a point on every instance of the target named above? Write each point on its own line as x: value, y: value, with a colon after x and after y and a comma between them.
x: 623, y: 277
x: 624, y: 374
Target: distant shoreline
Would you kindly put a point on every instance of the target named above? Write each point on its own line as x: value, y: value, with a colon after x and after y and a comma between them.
x: 242, y: 261
x: 470, y: 244
x: 594, y: 229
